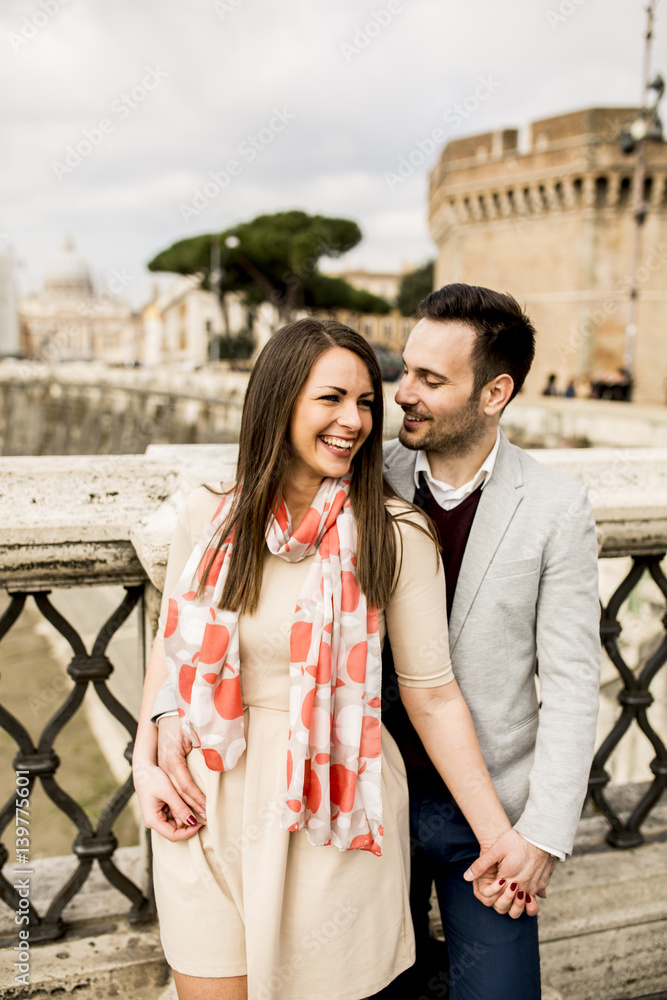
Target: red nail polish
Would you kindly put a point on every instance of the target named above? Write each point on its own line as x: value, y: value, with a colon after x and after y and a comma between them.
x: 501, y: 881
x: 512, y: 886
x: 191, y: 820
x: 520, y: 894
x: 529, y: 898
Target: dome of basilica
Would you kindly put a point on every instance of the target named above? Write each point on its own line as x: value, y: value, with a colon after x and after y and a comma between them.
x: 67, y: 276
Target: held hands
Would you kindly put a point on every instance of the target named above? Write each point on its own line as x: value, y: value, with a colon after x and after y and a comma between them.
x: 510, y: 874
x: 166, y: 793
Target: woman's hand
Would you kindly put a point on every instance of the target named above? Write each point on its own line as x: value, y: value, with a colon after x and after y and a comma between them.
x: 505, y: 896
x: 162, y: 808
x: 510, y: 874
x: 172, y: 747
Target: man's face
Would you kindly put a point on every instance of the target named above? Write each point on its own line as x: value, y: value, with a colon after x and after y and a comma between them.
x: 436, y: 391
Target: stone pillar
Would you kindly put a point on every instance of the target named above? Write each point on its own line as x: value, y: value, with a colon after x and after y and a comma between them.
x: 505, y: 205
x: 613, y: 189
x: 476, y: 209
x: 588, y: 192
x: 569, y: 192
x: 460, y: 211
x: 554, y: 199
x: 657, y: 190
x: 492, y: 209
x: 9, y: 320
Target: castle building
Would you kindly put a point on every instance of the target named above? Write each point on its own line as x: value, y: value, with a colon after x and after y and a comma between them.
x: 72, y: 321
x: 553, y: 224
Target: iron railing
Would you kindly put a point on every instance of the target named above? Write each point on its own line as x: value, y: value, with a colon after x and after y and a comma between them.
x: 635, y: 698
x: 98, y: 842
x: 94, y: 842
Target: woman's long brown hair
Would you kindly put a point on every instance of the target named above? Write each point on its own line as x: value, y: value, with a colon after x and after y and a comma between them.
x: 265, y: 457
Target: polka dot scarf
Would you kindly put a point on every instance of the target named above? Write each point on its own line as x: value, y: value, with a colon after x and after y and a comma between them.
x: 333, y: 751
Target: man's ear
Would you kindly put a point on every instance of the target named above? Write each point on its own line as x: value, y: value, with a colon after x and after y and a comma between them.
x: 497, y: 394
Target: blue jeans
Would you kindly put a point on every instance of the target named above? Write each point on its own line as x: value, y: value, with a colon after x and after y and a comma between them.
x: 487, y: 955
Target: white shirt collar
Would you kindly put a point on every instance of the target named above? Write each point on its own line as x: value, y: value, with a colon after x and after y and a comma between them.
x: 447, y: 496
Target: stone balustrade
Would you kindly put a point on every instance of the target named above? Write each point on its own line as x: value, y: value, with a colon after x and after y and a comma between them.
x: 93, y: 521
x: 65, y: 409
x: 69, y: 519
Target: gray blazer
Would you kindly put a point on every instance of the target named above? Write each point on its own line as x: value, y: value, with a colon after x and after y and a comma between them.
x: 528, y: 587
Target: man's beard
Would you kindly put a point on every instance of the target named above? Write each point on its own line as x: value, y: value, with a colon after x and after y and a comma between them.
x: 453, y: 436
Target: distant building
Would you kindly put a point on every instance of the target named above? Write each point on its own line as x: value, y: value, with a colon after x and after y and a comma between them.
x: 391, y: 330
x: 553, y: 225
x: 71, y: 321
x: 179, y: 324
x: 384, y: 284
x: 182, y: 323
x: 9, y: 321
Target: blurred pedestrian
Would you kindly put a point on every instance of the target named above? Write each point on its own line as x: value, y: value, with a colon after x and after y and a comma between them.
x: 551, y: 389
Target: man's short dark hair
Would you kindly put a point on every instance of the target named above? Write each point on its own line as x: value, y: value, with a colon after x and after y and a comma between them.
x: 505, y: 341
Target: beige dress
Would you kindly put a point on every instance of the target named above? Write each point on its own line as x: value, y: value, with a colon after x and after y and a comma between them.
x: 245, y: 897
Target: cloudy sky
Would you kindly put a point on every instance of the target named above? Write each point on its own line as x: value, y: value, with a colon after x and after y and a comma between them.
x: 117, y: 114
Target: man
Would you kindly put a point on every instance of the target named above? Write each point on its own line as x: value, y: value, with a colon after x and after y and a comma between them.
x: 520, y: 556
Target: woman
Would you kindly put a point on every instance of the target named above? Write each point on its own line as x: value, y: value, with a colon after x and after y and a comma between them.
x: 296, y: 884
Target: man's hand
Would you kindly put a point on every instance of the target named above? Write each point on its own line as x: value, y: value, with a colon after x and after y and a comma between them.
x: 511, y: 866
x: 172, y: 747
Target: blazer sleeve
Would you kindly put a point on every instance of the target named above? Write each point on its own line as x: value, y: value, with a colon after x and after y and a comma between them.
x: 569, y: 656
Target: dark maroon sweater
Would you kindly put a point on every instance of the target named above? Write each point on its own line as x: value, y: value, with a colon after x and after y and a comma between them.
x: 453, y: 527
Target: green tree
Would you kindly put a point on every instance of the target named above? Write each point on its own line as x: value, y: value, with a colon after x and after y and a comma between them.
x: 415, y: 286
x: 273, y: 258
x: 232, y: 347
x: 325, y: 292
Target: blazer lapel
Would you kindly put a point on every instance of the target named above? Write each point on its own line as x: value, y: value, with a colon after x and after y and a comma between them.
x: 399, y: 469
x: 500, y: 498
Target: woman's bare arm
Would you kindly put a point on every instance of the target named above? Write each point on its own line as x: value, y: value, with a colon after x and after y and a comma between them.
x: 443, y: 723
x: 161, y: 806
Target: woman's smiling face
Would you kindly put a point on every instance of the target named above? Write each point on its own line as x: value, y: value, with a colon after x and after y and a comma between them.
x: 332, y: 416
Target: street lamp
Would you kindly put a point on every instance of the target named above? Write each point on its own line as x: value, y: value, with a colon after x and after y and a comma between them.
x: 215, y: 278
x: 647, y: 127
